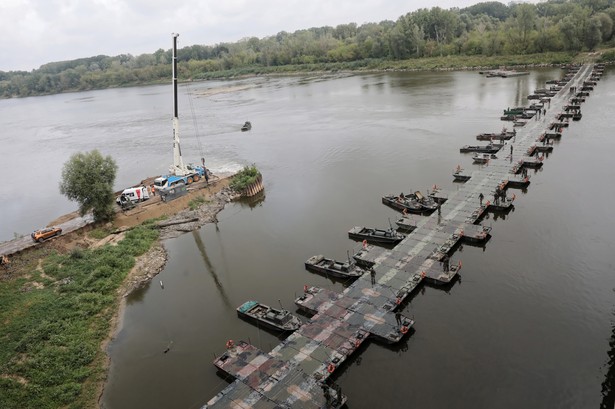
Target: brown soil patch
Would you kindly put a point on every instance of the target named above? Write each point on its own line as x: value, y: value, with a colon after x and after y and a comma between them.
x: 154, y: 207
x: 16, y: 378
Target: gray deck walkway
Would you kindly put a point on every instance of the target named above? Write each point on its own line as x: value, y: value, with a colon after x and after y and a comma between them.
x: 292, y: 375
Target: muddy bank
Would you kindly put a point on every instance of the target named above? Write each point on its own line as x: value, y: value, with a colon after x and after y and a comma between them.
x: 206, y: 213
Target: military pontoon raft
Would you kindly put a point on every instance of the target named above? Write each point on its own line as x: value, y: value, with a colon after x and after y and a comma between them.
x: 500, y: 204
x: 504, y: 135
x: 269, y: 317
x: 460, y: 176
x: 489, y: 148
x: 405, y: 223
x: 330, y: 267
x: 482, y: 158
x: 255, y: 370
x: 428, y: 203
x: 475, y: 234
x: 295, y: 374
x: 503, y: 73
x: 403, y: 203
x: 376, y: 236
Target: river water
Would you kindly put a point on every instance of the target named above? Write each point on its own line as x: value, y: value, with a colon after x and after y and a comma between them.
x: 528, y: 324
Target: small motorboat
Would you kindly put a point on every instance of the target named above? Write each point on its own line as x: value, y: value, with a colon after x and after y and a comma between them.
x: 379, y: 236
x: 246, y: 127
x: 327, y: 266
x: 281, y: 320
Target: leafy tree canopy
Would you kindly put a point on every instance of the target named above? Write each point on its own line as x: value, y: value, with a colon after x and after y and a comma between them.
x: 87, y: 178
x: 489, y: 28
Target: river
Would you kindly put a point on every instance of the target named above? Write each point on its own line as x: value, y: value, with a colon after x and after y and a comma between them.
x: 528, y: 324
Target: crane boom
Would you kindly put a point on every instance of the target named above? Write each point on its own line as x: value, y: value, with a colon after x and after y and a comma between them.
x: 178, y: 168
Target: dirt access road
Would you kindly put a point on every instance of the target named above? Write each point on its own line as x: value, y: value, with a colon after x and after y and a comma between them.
x: 152, y: 208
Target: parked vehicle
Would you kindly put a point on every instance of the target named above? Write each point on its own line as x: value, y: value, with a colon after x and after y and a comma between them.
x: 195, y: 173
x: 44, y: 234
x: 133, y: 194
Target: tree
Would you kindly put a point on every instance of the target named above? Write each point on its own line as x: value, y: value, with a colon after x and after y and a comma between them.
x: 593, y: 35
x: 87, y: 178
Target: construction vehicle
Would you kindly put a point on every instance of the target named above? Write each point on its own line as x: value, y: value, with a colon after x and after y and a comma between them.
x: 178, y: 172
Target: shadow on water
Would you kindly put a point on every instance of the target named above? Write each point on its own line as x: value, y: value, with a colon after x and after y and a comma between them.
x: 446, y: 288
x: 356, y: 359
x: 280, y: 335
x: 201, y: 246
x: 608, y: 386
x: 252, y: 202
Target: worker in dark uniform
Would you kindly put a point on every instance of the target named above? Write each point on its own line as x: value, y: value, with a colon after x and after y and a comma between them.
x: 398, y: 318
x: 480, y: 198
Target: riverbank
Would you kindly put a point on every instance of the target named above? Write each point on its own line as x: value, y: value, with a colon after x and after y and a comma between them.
x: 441, y: 63
x: 437, y: 63
x: 61, y: 302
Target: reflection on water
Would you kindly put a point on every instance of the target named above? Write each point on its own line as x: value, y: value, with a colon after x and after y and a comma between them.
x: 253, y: 201
x: 209, y: 267
x: 608, y: 386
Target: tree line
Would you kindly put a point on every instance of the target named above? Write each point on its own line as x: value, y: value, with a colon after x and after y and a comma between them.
x: 484, y: 29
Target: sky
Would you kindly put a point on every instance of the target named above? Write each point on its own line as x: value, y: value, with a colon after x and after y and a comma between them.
x: 35, y: 32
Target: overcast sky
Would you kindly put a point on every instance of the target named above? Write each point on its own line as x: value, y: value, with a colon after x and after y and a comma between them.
x: 35, y: 32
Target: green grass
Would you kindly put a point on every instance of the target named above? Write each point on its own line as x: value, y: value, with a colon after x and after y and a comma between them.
x: 99, y: 233
x: 50, y: 338
x: 196, y: 202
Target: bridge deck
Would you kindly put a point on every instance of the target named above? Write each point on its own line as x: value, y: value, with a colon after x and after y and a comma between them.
x: 293, y: 373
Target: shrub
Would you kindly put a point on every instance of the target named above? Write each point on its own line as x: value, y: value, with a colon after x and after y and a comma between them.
x: 244, y: 178
x: 608, y: 56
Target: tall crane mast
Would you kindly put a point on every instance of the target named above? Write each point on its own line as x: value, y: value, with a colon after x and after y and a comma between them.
x: 178, y: 168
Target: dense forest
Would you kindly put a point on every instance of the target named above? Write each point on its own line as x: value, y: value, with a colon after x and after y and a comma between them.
x: 487, y: 29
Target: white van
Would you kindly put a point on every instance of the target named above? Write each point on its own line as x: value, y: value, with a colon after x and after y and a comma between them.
x: 134, y: 194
